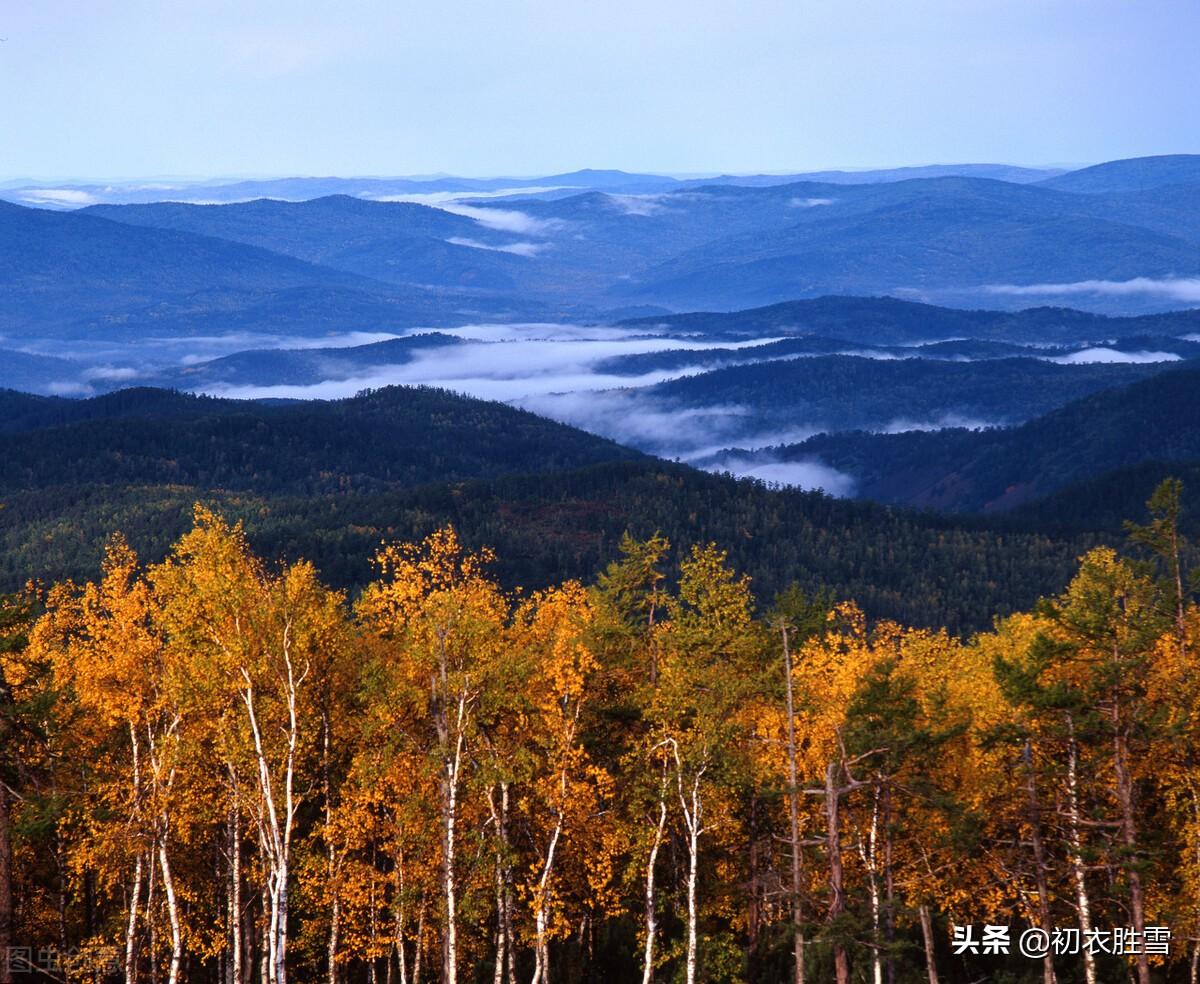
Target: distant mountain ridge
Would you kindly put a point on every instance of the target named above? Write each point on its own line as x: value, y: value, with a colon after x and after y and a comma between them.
x: 603, y: 240
x: 892, y: 321
x: 1131, y: 175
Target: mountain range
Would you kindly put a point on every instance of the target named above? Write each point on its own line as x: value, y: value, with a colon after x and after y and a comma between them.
x: 1123, y: 236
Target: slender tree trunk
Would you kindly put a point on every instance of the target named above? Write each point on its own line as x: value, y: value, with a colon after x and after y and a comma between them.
x: 266, y: 963
x: 693, y: 863
x: 927, y: 936
x: 1078, y: 869
x: 1137, y: 901
x: 541, y: 970
x: 651, y: 912
x: 235, y: 890
x: 794, y: 818
x: 503, y: 927
x: 335, y: 902
x: 420, y: 942
x: 164, y: 865
x: 889, y: 884
x: 6, y: 881
x: 373, y: 935
x: 869, y: 854
x: 135, y: 893
x: 1039, y: 860
x: 398, y: 908
x: 450, y: 777
x: 691, y: 805
x: 335, y: 920
x: 151, y: 922
x: 6, y: 867
x: 833, y: 850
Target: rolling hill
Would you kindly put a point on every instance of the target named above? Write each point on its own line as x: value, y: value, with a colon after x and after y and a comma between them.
x: 1132, y: 174
x: 330, y: 481
x: 891, y: 321
x: 845, y: 393
x: 1156, y: 419
x: 75, y: 274
x: 390, y: 241
x: 394, y: 437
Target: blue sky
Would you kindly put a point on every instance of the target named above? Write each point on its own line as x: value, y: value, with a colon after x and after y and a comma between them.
x: 208, y: 88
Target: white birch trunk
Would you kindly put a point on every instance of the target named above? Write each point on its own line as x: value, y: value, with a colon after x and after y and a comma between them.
x: 1078, y: 870
x: 651, y: 914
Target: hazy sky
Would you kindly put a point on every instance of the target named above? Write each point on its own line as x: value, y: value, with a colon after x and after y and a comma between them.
x: 136, y: 88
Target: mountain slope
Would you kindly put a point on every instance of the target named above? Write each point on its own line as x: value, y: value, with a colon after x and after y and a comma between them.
x: 926, y: 235
x: 1132, y: 174
x: 996, y: 470
x: 841, y: 393
x: 392, y: 437
x: 392, y: 241
x: 81, y: 275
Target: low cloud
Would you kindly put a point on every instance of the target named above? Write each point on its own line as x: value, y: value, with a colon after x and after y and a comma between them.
x: 1092, y: 355
x: 809, y: 202
x: 1186, y: 289
x: 69, y: 388
x: 514, y: 363
x: 637, y: 204
x: 57, y: 197
x: 112, y: 374
x: 517, y: 249
x: 808, y: 473
x: 506, y: 220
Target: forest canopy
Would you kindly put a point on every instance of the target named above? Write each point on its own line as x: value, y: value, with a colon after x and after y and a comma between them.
x: 216, y: 769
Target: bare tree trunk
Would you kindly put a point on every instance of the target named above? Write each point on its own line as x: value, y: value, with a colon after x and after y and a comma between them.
x: 335, y: 903
x: 1078, y: 870
x: 266, y: 970
x: 276, y: 824
x: 927, y: 935
x: 833, y: 850
x: 420, y: 942
x: 1137, y: 902
x: 691, y: 805
x: 693, y: 859
x: 450, y: 778
x: 373, y: 936
x: 398, y: 905
x: 869, y: 854
x: 151, y: 922
x: 164, y: 865
x: 1039, y: 861
x: 651, y: 912
x: 503, y: 928
x: 794, y: 816
x: 135, y: 893
x: 6, y: 891
x: 234, y: 915
x: 541, y: 970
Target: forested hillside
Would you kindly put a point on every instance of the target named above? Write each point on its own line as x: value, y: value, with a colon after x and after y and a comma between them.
x: 216, y: 767
x: 400, y: 436
x: 994, y: 470
x: 329, y: 480
x: 843, y: 392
